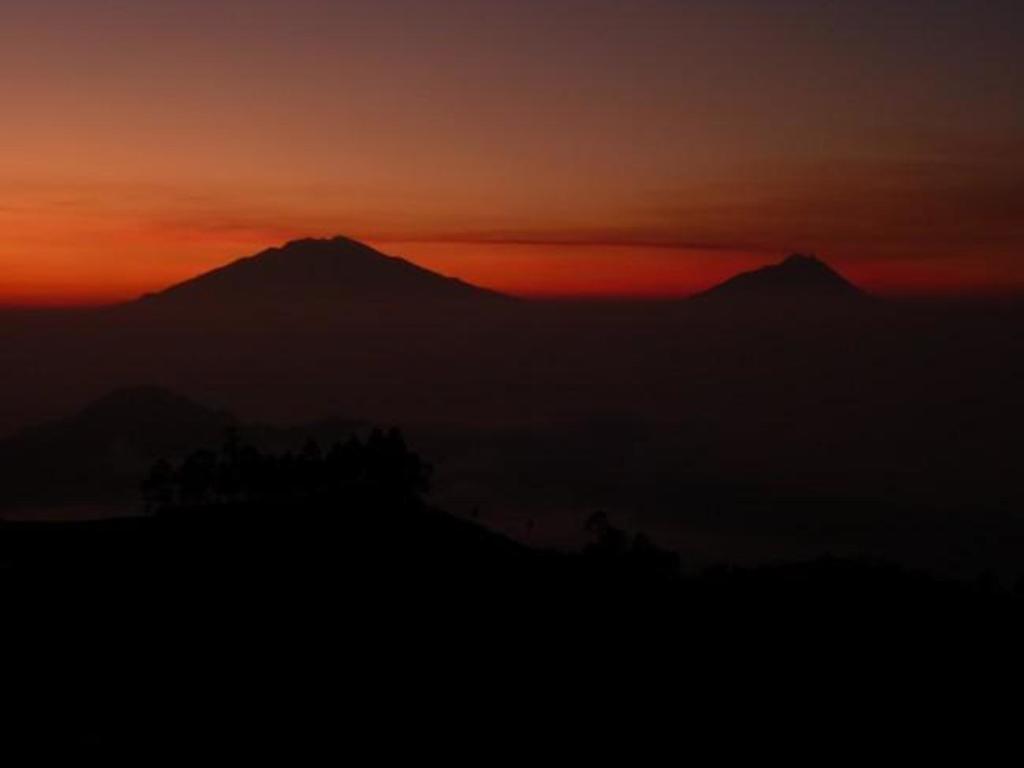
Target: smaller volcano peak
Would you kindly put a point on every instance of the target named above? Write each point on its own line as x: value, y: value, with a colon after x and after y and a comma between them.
x: 798, y: 277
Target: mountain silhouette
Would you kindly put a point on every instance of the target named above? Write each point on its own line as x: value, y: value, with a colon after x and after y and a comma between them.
x: 318, y: 274
x: 100, y: 453
x: 147, y: 412
x: 798, y: 277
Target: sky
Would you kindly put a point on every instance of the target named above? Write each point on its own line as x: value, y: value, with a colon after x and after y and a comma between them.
x: 542, y: 147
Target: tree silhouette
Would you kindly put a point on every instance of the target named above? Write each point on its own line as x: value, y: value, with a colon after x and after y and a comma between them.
x: 380, y: 470
x: 158, y: 487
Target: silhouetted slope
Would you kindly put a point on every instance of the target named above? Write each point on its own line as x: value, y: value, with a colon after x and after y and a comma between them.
x: 798, y: 277
x: 101, y: 453
x: 317, y: 274
x: 383, y: 608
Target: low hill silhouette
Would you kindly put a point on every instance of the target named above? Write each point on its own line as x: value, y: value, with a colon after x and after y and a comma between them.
x: 99, y: 455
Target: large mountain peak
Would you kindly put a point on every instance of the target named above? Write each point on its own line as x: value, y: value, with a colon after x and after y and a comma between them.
x: 317, y: 274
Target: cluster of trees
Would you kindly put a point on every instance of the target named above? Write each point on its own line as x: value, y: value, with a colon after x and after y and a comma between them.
x: 380, y: 470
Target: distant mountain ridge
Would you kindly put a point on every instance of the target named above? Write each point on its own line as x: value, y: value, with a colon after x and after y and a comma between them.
x: 798, y: 277
x: 339, y: 273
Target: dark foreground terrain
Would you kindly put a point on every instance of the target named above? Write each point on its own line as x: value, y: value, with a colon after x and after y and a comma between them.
x: 302, y: 602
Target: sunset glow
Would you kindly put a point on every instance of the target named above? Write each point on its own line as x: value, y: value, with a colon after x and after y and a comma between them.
x: 144, y: 143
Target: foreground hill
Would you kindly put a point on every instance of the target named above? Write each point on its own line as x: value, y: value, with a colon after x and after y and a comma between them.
x: 341, y: 614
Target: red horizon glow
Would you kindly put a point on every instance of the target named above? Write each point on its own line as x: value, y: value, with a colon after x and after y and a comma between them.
x: 531, y: 270
x: 634, y: 150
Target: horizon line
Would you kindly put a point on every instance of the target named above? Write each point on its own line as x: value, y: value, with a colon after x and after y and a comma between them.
x: 916, y: 291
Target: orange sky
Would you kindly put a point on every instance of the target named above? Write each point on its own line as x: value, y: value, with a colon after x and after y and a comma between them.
x: 551, y: 148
